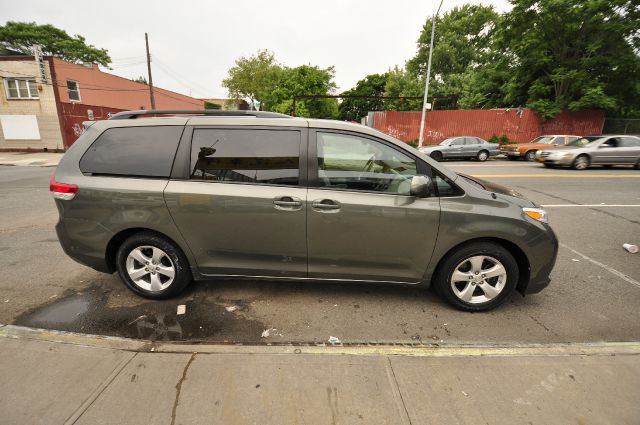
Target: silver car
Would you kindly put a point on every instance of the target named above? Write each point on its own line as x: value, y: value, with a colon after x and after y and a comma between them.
x: 605, y: 151
x: 462, y: 147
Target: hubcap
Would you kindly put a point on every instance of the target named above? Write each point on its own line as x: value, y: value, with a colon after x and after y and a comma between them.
x: 150, y: 268
x: 478, y: 279
x: 483, y: 156
x: 581, y: 163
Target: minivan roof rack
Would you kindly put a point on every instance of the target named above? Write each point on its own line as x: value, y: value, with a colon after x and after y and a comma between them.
x: 208, y: 112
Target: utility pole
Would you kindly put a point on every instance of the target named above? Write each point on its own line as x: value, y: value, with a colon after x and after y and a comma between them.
x: 153, y: 101
x: 426, y: 87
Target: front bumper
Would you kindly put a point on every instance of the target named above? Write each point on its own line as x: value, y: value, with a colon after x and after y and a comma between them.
x: 540, y: 277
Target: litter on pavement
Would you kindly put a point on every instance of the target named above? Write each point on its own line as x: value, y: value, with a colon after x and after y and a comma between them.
x: 231, y: 308
x: 182, y: 309
x: 630, y: 247
x: 333, y: 340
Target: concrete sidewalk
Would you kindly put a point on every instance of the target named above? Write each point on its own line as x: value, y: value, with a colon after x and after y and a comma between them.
x: 34, y: 159
x: 57, y: 378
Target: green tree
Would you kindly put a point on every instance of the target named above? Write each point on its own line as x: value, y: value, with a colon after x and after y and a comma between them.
x: 402, y: 83
x: 261, y: 78
x: 21, y: 36
x: 305, y: 80
x: 254, y: 78
x: 574, y: 54
x: 462, y: 44
x: 141, y: 80
x: 354, y: 109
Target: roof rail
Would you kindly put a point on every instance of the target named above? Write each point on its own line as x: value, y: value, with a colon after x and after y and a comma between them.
x: 207, y: 112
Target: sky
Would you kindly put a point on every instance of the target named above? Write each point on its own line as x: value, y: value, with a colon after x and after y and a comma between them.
x: 193, y: 43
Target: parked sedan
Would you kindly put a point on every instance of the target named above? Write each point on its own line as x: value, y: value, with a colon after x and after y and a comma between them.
x: 605, y: 151
x: 462, y: 147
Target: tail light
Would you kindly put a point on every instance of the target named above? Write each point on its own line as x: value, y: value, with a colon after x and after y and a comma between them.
x: 63, y: 191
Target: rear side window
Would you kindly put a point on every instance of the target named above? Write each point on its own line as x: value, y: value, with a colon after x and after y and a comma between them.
x: 133, y: 151
x: 629, y: 142
x: 246, y: 156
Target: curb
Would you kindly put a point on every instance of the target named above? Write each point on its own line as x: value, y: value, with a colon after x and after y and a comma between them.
x: 382, y: 349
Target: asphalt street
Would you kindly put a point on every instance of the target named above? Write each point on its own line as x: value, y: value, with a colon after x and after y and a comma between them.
x: 593, y: 296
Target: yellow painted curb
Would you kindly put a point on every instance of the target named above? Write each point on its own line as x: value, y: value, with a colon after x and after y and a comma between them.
x: 407, y: 350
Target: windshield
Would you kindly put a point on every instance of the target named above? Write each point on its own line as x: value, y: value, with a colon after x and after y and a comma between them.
x: 594, y: 142
x: 445, y: 142
x: 580, y: 142
x: 542, y: 140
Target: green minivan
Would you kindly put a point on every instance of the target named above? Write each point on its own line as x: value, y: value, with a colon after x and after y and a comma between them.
x: 166, y: 197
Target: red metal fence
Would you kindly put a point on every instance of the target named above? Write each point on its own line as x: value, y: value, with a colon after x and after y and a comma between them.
x: 73, y: 114
x: 518, y: 126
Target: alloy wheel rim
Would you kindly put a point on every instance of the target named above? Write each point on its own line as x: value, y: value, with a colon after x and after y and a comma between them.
x: 483, y: 156
x: 581, y: 163
x: 478, y: 279
x: 150, y: 268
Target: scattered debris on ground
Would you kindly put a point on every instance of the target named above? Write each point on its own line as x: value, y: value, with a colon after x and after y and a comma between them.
x: 333, y: 340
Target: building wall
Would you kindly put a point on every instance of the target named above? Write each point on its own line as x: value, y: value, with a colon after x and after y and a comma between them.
x: 517, y: 126
x: 99, y: 88
x: 43, y: 108
x: 102, y: 93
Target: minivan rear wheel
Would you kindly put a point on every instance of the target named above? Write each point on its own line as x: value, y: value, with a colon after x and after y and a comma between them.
x: 152, y: 266
x: 477, y: 277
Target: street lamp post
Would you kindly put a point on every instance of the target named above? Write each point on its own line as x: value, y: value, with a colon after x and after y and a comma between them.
x: 426, y: 86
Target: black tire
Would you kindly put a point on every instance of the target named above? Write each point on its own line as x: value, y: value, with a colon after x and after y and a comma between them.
x: 482, y: 156
x: 581, y: 162
x: 530, y: 156
x: 436, y: 156
x: 445, y: 269
x: 637, y: 165
x: 178, y: 261
x: 513, y: 158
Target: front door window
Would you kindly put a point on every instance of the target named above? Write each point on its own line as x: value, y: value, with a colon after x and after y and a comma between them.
x: 357, y: 163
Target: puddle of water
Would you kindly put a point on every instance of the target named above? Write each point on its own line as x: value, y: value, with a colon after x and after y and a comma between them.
x: 89, y: 312
x: 65, y: 311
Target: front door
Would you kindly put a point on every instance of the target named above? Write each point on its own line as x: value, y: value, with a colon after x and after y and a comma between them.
x: 362, y: 222
x: 243, y: 209
x: 609, y: 152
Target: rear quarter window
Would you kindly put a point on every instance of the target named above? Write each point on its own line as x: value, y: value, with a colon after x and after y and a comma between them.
x: 133, y: 151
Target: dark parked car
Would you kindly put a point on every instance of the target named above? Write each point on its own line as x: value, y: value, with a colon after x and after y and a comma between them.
x: 462, y: 147
x: 250, y: 194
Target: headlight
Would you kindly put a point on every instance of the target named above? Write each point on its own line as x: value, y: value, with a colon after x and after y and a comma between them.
x: 536, y: 214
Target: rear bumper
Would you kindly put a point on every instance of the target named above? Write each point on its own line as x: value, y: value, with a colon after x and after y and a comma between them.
x: 82, y: 241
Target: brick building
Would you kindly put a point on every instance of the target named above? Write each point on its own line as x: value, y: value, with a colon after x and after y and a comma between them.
x: 43, y: 107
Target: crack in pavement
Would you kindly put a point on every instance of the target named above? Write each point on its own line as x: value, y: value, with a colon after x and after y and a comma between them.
x: 179, y: 388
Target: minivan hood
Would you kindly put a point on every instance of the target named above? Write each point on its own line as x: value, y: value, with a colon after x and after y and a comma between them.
x: 494, y: 187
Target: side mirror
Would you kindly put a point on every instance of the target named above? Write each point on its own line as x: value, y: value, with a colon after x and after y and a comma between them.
x: 421, y: 186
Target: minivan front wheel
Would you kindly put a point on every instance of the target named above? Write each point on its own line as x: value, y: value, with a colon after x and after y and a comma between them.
x: 477, y: 277
x: 152, y: 266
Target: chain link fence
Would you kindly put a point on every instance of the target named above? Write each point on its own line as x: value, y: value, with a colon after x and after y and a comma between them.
x: 621, y: 126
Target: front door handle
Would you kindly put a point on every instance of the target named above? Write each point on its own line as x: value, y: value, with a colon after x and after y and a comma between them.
x: 325, y: 204
x: 287, y: 203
